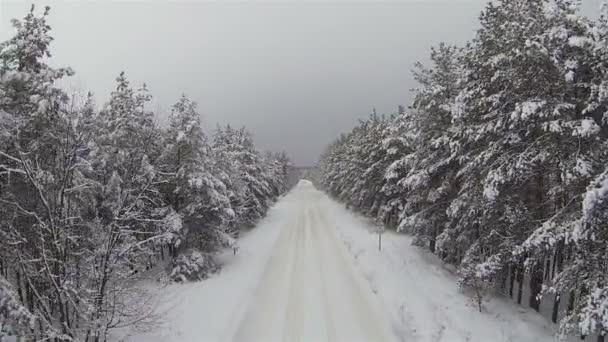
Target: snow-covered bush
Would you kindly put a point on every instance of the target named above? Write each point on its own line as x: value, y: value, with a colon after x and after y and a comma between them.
x: 478, y: 277
x: 192, y: 265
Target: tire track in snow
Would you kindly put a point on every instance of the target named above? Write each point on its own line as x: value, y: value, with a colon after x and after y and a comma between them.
x: 373, y: 325
x: 329, y: 316
x: 272, y: 287
x: 313, y: 282
x: 293, y: 325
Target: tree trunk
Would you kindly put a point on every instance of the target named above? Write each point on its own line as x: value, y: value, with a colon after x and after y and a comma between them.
x: 511, y: 280
x: 536, y: 285
x: 571, y: 302
x: 504, y: 275
x: 30, y: 297
x: 19, y: 290
x: 520, y: 283
x: 555, y: 313
x: 433, y: 238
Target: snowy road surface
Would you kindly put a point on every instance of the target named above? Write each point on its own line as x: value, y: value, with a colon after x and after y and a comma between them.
x: 311, y: 271
x: 310, y: 290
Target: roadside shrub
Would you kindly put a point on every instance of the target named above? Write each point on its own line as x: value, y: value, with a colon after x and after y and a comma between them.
x: 192, y: 265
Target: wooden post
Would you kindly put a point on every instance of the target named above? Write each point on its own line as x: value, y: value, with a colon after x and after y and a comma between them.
x: 380, y: 231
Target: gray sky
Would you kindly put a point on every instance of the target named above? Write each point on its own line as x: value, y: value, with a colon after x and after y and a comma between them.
x: 296, y: 73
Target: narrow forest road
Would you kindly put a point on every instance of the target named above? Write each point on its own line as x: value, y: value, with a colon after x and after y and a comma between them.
x: 310, y: 289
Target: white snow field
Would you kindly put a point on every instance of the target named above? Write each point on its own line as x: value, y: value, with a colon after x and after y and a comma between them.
x: 311, y: 271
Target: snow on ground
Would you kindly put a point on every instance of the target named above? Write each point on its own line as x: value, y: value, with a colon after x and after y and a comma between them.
x: 421, y: 294
x: 208, y: 310
x: 311, y: 290
x: 292, y: 279
x: 311, y: 271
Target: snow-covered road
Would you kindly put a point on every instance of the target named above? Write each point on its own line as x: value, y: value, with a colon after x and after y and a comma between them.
x: 310, y: 290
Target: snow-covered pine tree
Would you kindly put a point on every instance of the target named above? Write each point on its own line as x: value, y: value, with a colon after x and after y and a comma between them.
x: 588, y: 270
x: 84, y: 203
x: 41, y: 182
x: 253, y: 180
x: 199, y: 198
x: 286, y: 170
x: 398, y: 147
x: 247, y: 162
x: 227, y: 170
x: 508, y: 133
x: 338, y: 172
x: 129, y: 216
x: 571, y: 236
x: 373, y: 163
x: 276, y: 172
x: 525, y: 141
x: 430, y: 183
x: 353, y: 168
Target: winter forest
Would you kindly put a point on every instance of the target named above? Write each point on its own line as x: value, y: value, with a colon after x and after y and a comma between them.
x: 91, y: 198
x: 498, y: 170
x: 499, y: 167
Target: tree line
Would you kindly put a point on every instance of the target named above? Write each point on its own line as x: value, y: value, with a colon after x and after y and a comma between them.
x: 91, y: 198
x: 499, y: 166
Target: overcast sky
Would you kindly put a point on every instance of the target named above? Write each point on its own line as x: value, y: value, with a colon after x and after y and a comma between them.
x: 296, y: 73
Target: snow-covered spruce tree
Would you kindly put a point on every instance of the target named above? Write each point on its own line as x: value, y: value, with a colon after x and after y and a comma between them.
x: 198, y: 197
